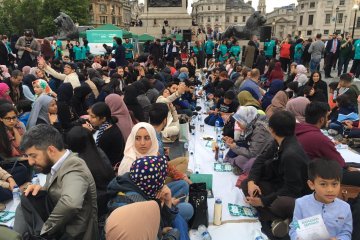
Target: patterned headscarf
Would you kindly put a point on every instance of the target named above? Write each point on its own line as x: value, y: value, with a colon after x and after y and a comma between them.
x: 43, y: 85
x: 149, y: 174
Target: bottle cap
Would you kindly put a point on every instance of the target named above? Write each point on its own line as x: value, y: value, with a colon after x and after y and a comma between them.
x: 218, y: 201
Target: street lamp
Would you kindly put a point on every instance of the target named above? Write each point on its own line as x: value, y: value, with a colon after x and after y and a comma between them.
x: 345, y: 17
x: 356, y: 8
x: 336, y: 17
x: 273, y: 27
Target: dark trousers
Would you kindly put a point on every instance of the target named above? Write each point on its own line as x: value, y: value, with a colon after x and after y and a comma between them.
x: 355, y: 69
x: 285, y: 62
x: 343, y: 63
x: 328, y: 63
x: 282, y: 207
x: 20, y: 175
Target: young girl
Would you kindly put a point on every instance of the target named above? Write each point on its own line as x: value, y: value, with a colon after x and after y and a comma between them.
x: 41, y: 87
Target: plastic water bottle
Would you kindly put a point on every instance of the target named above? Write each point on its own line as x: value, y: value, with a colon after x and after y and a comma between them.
x: 186, y: 145
x: 205, y: 235
x: 16, y: 193
x: 221, y: 154
x: 35, y: 180
x: 202, y: 127
x: 217, y: 212
x: 217, y: 125
x: 218, y: 139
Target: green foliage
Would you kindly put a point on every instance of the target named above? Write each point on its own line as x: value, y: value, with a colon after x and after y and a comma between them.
x: 17, y: 15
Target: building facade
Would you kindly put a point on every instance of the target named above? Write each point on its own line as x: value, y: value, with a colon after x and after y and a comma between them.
x: 219, y: 14
x: 116, y: 12
x: 283, y: 21
x: 262, y: 6
x: 326, y: 17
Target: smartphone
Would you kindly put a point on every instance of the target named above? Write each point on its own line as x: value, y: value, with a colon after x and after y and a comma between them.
x: 182, y: 196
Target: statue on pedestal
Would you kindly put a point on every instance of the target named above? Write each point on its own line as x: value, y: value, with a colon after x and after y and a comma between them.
x: 66, y: 27
x: 252, y: 27
x: 164, y: 3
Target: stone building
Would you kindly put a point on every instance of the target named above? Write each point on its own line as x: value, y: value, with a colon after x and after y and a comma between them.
x: 283, y: 21
x: 326, y: 17
x: 219, y: 14
x: 117, y: 12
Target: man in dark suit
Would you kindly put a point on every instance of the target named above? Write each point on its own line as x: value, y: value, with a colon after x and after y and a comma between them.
x: 331, y: 50
x: 156, y: 51
x: 168, y: 50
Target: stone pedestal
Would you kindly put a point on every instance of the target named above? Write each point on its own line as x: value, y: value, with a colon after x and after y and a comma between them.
x: 175, y: 11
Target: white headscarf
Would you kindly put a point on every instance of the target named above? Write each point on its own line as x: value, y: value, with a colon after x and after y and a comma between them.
x: 245, y: 114
x: 130, y: 152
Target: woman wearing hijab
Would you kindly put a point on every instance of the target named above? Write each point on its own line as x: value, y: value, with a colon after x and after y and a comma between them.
x: 246, y: 99
x: 301, y: 77
x: 41, y: 87
x: 107, y: 135
x: 123, y: 222
x: 120, y: 111
x: 275, y: 87
x: 249, y: 54
x: 297, y: 107
x: 278, y: 103
x: 254, y: 140
x: 78, y: 101
x: 276, y: 74
x: 4, y: 92
x: 65, y: 111
x: 28, y: 88
x: 320, y: 87
x: 154, y: 169
x: 80, y: 140
x: 44, y: 111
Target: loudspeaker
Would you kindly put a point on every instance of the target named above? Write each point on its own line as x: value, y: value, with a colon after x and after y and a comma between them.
x: 265, y: 33
x: 187, y: 35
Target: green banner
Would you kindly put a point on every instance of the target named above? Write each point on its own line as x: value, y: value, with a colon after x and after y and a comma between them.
x: 103, y: 36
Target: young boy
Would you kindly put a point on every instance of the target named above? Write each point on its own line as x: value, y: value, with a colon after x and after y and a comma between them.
x: 324, y: 179
x: 347, y: 88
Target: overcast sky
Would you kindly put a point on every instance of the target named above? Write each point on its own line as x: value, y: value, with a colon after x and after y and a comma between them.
x: 270, y: 4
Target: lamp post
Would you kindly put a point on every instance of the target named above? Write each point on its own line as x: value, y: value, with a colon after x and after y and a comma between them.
x: 345, y: 17
x: 336, y: 17
x: 273, y: 27
x: 356, y: 8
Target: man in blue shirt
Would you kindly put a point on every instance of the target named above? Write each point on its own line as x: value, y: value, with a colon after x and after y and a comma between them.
x: 251, y: 85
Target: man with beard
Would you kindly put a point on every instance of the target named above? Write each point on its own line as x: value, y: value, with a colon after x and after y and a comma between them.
x: 69, y: 185
x: 28, y: 49
x: 317, y: 145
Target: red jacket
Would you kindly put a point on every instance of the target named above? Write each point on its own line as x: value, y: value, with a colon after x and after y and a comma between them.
x: 285, y: 50
x: 316, y: 144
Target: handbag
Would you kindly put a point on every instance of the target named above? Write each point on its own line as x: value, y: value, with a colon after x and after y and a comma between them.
x: 348, y: 192
x: 198, y: 199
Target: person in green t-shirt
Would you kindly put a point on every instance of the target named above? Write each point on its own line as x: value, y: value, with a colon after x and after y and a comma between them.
x: 346, y: 48
x: 77, y: 52
x: 355, y: 69
x: 129, y: 47
x: 235, y: 51
x: 209, y: 48
x: 298, y: 51
x: 223, y: 51
x: 269, y: 49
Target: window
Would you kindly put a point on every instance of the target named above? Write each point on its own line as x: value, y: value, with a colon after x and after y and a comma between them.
x: 92, y: 19
x: 342, y: 2
x: 102, y: 8
x: 208, y: 7
x: 327, y: 18
x: 244, y: 18
x: 299, y: 33
x: 202, y: 8
x: 301, y: 20
x: 216, y: 18
x: 302, y: 6
x: 235, y: 19
x: 103, y: 19
x: 312, y: 5
x: 326, y: 32
x: 217, y: 7
x: 358, y: 22
x: 113, y: 20
x: 340, y: 17
x: 209, y: 20
x: 309, y: 33
x: 227, y: 19
x: 90, y: 8
x: 113, y: 10
x: 311, y: 20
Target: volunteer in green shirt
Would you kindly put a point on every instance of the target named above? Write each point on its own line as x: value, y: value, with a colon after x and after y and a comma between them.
x: 77, y: 52
x: 355, y: 69
x: 223, y: 51
x: 269, y: 46
x: 129, y: 47
x: 298, y: 51
x: 346, y: 47
x: 235, y: 51
x: 209, y: 48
